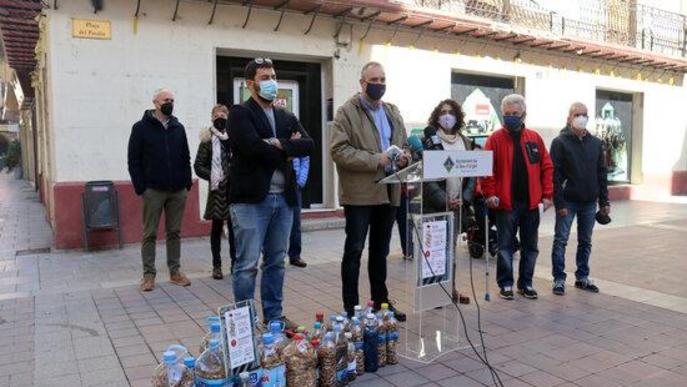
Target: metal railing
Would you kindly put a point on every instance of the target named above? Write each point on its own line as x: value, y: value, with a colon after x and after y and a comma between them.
x: 624, y: 22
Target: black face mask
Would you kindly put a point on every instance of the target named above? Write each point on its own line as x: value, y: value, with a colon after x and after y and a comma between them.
x: 220, y: 123
x: 375, y: 91
x: 167, y: 108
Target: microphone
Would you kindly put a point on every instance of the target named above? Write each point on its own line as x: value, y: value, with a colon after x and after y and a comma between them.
x: 416, y: 147
x: 432, y: 140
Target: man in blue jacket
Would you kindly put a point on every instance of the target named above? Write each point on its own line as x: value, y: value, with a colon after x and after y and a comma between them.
x: 263, y: 140
x: 160, y: 169
x: 580, y: 182
x: 301, y: 166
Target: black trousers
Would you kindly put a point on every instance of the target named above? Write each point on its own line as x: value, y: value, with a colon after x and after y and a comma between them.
x: 216, y: 242
x: 379, y: 220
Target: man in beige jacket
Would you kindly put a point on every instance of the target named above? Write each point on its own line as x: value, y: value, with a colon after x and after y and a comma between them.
x: 363, y: 130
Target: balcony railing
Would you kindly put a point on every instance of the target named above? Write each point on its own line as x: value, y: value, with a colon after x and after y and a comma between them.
x: 623, y: 22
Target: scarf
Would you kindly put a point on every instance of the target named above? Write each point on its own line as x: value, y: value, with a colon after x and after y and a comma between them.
x: 216, y: 170
x: 452, y: 142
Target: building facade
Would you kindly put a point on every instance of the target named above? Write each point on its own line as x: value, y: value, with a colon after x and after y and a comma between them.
x: 95, y: 74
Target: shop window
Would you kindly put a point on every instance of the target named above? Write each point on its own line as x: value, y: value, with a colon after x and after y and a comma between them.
x: 480, y: 97
x: 613, y: 125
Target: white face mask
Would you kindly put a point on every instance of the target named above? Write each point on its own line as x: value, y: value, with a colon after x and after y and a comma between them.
x: 580, y: 122
x: 447, y: 121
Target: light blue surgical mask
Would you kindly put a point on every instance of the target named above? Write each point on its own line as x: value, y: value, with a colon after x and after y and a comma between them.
x: 268, y: 89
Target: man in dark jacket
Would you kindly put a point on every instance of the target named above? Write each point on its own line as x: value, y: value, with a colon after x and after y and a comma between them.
x: 520, y: 184
x: 264, y: 139
x: 579, y: 182
x: 160, y: 168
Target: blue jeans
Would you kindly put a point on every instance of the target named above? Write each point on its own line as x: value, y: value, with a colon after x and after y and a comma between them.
x: 261, y: 228
x: 295, y: 240
x: 507, y: 224
x: 585, y: 213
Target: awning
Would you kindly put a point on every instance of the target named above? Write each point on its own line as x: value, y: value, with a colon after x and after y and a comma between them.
x: 19, y: 33
x: 384, y: 12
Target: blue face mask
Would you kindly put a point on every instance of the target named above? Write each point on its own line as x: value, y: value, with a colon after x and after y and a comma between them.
x: 512, y: 123
x: 268, y: 89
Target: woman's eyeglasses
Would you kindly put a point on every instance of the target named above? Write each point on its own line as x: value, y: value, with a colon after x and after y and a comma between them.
x: 263, y: 60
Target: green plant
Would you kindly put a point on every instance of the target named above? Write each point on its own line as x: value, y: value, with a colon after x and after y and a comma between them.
x: 13, y: 156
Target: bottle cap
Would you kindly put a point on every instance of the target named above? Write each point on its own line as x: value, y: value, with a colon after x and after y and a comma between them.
x: 169, y: 357
x: 315, y: 342
x: 370, y: 316
x: 348, y: 335
x: 244, y: 375
x: 215, y: 327
x: 297, y: 337
x: 357, y: 308
x: 339, y: 319
x: 332, y: 317
x: 190, y: 361
x: 319, y: 316
x: 356, y: 321
x: 213, y: 344
x: 317, y: 325
x: 212, y: 319
x: 385, y: 305
x: 370, y: 303
x: 268, y: 338
x: 275, y: 327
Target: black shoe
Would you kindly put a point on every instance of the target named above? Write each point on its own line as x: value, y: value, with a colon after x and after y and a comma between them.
x: 528, y: 292
x: 217, y: 273
x: 586, y: 284
x: 298, y: 262
x: 506, y: 293
x: 559, y: 287
x: 400, y: 316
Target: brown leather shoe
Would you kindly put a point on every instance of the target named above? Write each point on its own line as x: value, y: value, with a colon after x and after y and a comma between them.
x: 298, y: 262
x: 179, y: 278
x: 147, y: 284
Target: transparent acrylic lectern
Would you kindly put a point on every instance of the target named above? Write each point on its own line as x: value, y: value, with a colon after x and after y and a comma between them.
x: 433, y: 327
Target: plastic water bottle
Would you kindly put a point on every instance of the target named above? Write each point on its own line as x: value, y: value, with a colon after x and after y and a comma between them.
x: 277, y: 330
x: 326, y: 356
x: 214, y: 333
x: 331, y: 323
x: 273, y: 368
x: 392, y: 336
x: 341, y: 358
x: 172, y: 371
x: 381, y: 333
x: 317, y: 331
x: 358, y: 341
x: 190, y: 363
x: 351, y: 372
x: 210, y: 368
x: 358, y: 312
x: 370, y: 344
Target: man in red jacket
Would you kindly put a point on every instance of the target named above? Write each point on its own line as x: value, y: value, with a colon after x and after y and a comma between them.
x: 522, y: 179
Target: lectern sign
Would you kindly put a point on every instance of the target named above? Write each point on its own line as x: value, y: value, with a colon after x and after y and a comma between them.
x: 456, y: 163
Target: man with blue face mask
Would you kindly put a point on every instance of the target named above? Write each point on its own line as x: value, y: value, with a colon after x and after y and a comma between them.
x: 364, y: 129
x: 522, y: 180
x: 579, y: 182
x: 264, y: 139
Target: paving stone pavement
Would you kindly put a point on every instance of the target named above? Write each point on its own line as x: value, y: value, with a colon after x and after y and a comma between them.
x: 70, y: 318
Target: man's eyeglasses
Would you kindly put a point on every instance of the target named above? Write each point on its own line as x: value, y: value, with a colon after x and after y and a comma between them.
x: 263, y: 60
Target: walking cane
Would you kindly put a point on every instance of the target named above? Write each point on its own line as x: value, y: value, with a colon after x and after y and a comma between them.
x: 487, y: 295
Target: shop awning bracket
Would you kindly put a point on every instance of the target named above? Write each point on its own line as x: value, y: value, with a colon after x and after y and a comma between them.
x: 277, y: 7
x: 424, y: 25
x: 250, y: 11
x: 397, y: 22
x: 214, y: 9
x: 138, y: 7
x: 315, y: 11
x: 343, y: 15
x: 449, y: 28
x: 372, y: 17
x: 530, y: 39
x: 176, y: 11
